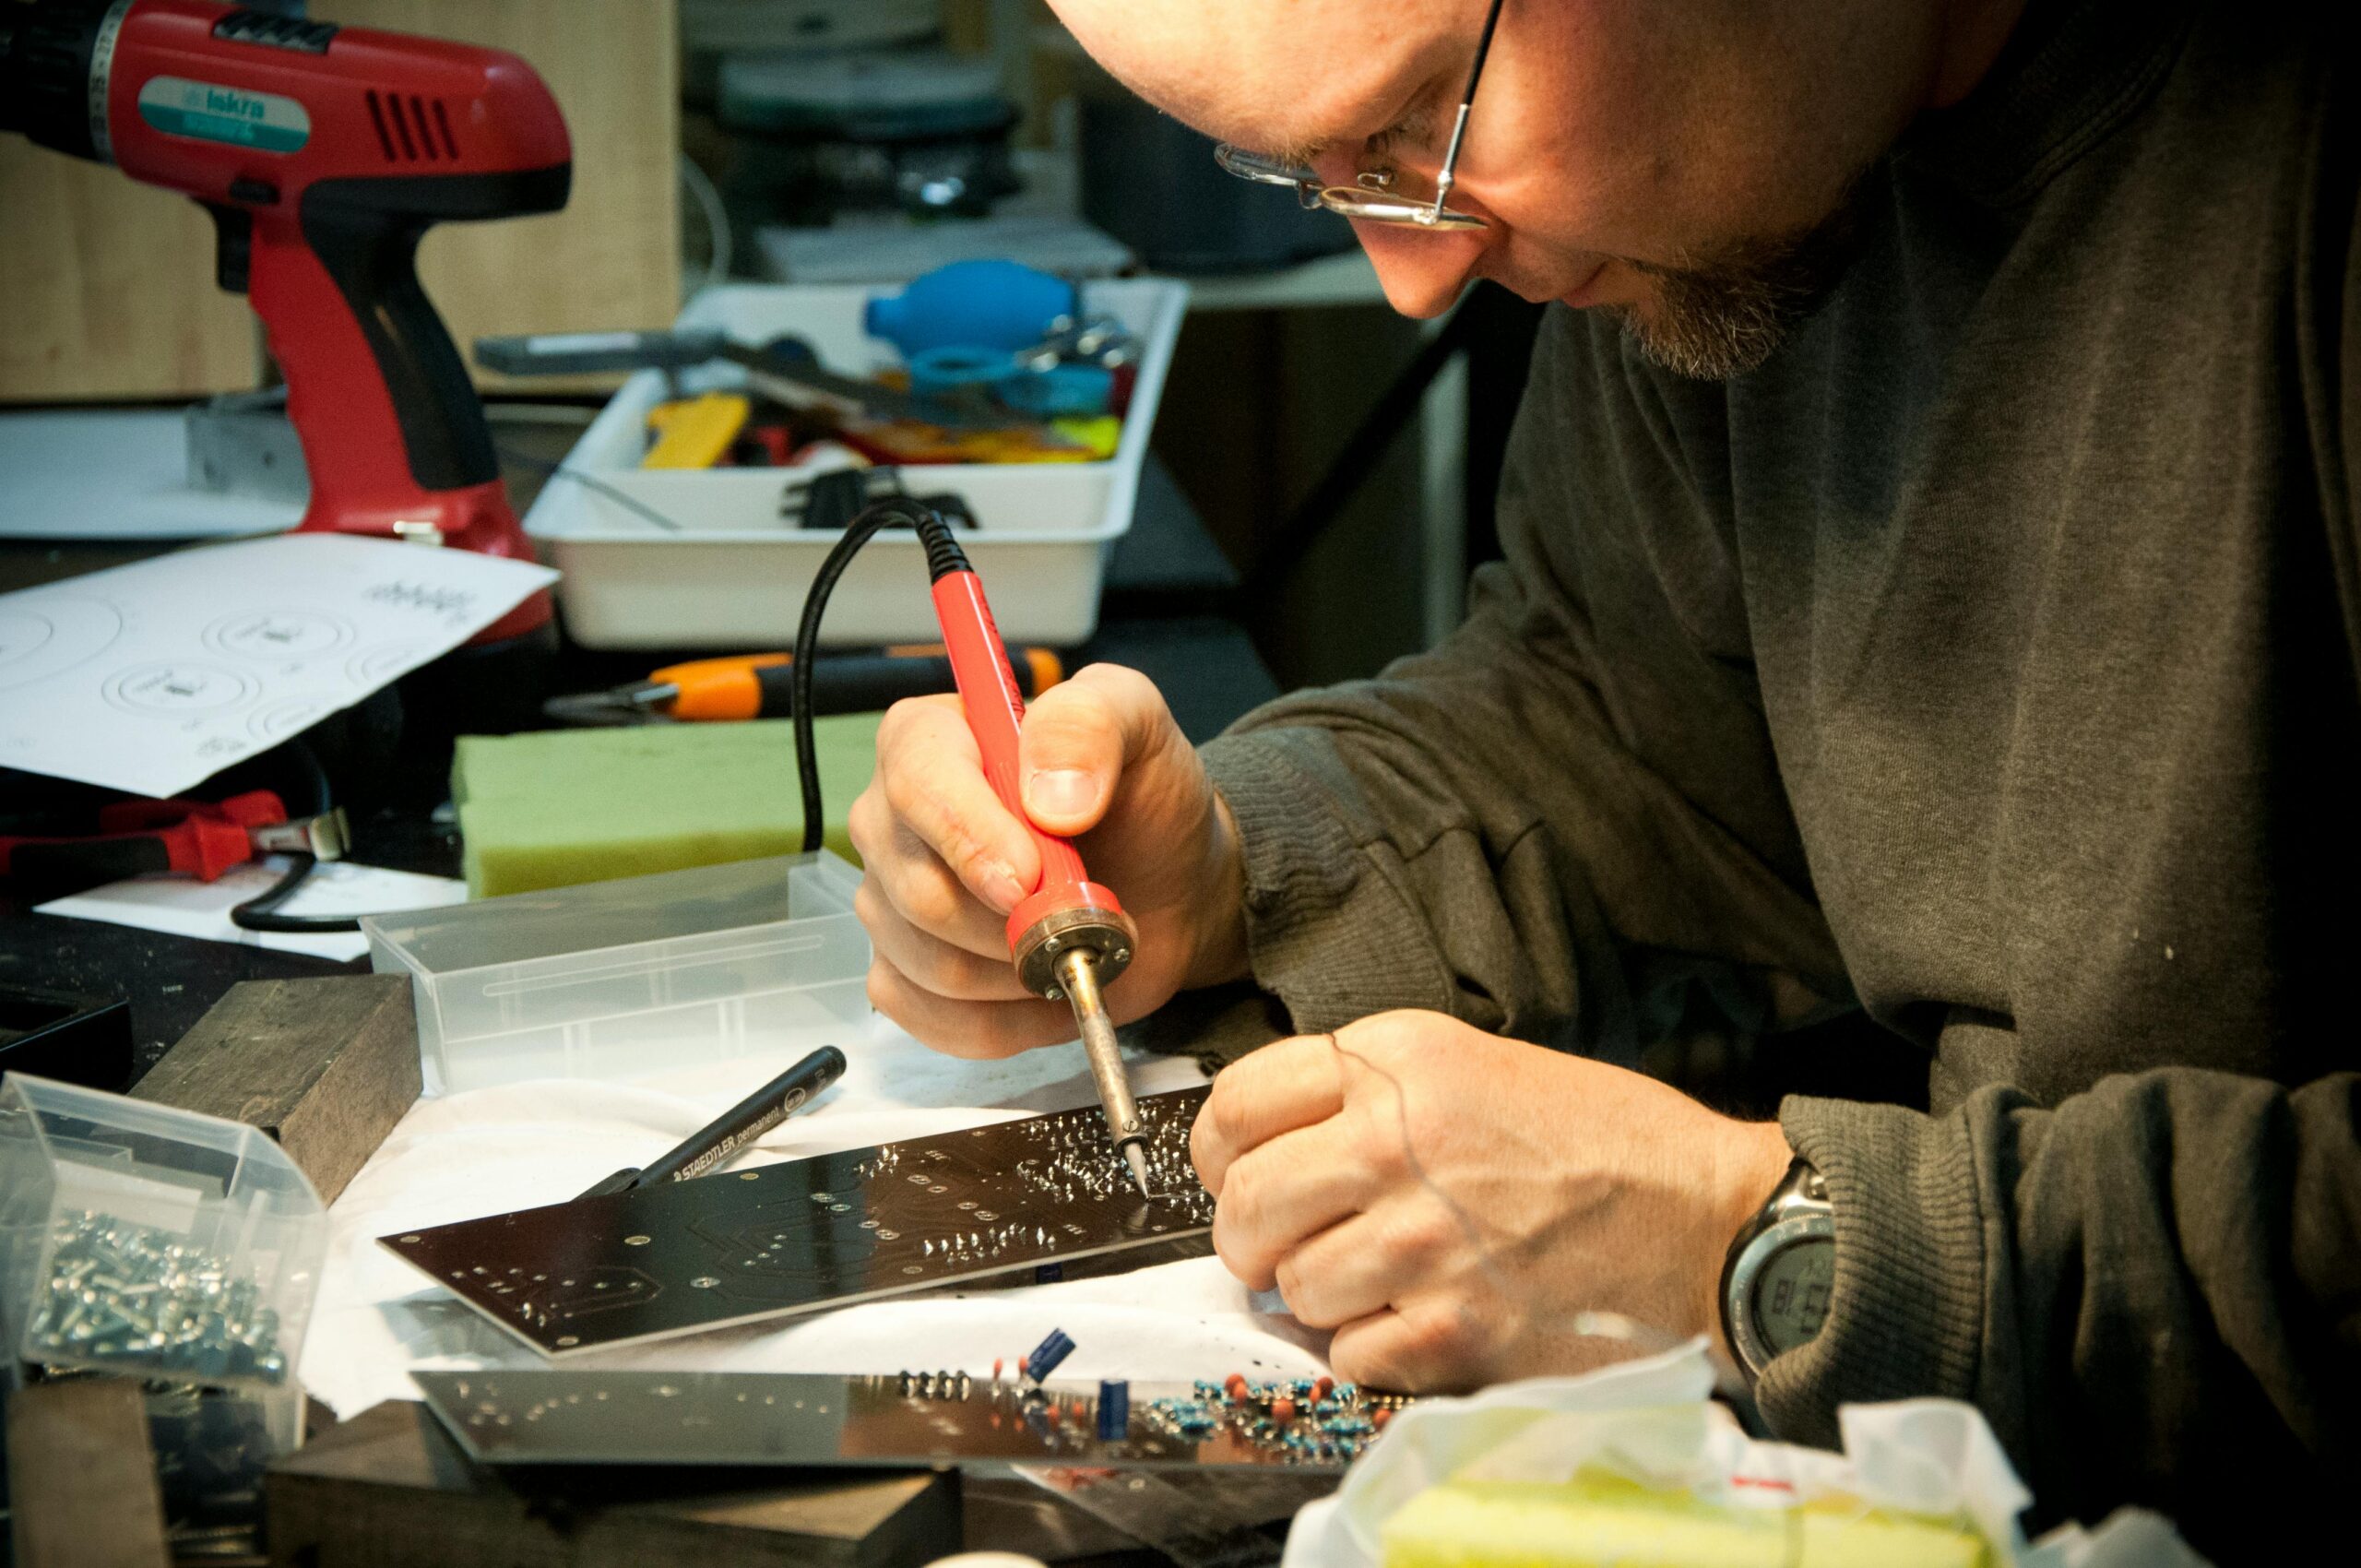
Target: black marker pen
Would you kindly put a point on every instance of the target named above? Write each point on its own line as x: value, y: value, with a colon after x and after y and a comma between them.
x: 715, y: 1142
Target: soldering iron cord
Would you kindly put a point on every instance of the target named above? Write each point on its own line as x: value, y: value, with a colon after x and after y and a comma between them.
x: 865, y: 526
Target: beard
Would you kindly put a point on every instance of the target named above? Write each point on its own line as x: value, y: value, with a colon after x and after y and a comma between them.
x: 1721, y: 313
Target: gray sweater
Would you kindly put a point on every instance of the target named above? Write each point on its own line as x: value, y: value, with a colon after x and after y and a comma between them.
x: 1988, y: 657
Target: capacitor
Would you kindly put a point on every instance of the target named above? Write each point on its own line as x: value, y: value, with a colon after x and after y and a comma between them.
x: 1045, y: 1356
x: 1114, y: 1409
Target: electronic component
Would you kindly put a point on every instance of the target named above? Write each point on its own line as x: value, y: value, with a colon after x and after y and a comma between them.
x: 1318, y: 1419
x: 1045, y: 1356
x: 685, y: 1256
x: 896, y: 1420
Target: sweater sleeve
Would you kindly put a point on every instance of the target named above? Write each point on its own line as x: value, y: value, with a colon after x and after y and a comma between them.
x: 1565, y: 823
x: 2152, y: 1289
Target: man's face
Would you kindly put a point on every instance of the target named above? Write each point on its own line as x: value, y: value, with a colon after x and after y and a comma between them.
x: 1684, y: 163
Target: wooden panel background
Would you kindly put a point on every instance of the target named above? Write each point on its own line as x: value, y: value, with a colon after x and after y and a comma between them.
x: 106, y: 286
x: 613, y: 258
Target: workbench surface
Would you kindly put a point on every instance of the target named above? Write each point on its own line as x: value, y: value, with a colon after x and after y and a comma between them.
x: 1167, y: 591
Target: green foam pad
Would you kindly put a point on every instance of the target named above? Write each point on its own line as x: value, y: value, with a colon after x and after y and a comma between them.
x: 556, y: 807
x: 1599, y: 1521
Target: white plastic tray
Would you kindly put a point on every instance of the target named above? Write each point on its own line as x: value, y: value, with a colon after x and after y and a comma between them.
x: 734, y: 574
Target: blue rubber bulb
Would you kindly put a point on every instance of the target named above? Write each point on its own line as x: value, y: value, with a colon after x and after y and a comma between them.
x: 975, y: 304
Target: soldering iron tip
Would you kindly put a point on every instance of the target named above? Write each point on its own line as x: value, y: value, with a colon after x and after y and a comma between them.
x: 1138, y: 1162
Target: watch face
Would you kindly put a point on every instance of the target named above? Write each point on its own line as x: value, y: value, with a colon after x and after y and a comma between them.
x: 1791, y: 1293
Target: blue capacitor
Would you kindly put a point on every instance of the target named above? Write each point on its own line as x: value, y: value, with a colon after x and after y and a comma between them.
x: 1047, y: 1355
x: 1114, y: 1409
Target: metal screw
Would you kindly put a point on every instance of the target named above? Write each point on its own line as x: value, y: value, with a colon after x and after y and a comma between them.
x: 123, y: 1291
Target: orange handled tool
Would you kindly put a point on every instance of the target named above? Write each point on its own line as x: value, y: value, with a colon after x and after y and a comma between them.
x: 761, y: 685
x: 1069, y: 936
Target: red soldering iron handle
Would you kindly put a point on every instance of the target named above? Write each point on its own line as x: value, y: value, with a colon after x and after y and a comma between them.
x: 995, y: 710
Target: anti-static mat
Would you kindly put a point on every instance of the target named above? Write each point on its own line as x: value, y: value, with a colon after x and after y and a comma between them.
x: 685, y: 1256
x: 573, y: 1417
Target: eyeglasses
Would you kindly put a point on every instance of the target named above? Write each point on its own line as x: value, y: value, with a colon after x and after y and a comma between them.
x: 1371, y: 199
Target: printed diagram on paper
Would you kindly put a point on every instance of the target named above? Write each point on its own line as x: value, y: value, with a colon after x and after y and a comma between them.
x: 153, y: 676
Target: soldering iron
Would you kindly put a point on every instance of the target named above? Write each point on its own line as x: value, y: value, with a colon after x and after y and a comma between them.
x: 1069, y: 938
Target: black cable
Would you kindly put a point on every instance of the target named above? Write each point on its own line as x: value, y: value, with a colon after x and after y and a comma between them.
x: 562, y: 470
x: 879, y: 514
x: 258, y: 912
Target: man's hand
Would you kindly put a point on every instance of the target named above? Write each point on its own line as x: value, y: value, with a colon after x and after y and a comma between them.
x: 944, y: 861
x: 1448, y: 1201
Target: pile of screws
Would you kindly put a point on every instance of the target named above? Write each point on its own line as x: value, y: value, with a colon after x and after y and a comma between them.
x: 1308, y: 1417
x: 120, y: 1291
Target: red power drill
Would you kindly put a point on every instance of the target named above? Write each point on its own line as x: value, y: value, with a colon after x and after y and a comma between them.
x: 323, y: 153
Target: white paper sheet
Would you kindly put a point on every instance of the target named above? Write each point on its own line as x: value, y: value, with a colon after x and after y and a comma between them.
x: 186, y: 906
x: 154, y: 676
x: 488, y: 1150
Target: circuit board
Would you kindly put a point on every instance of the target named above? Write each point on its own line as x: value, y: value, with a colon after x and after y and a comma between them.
x: 682, y: 1257
x: 908, y: 1419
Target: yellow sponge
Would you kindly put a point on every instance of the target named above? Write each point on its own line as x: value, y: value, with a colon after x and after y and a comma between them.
x: 1597, y: 1521
x: 557, y: 807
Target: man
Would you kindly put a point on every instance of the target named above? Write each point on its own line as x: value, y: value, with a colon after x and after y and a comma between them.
x: 1931, y: 582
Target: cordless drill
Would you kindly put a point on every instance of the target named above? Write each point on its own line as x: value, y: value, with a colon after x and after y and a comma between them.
x: 323, y: 153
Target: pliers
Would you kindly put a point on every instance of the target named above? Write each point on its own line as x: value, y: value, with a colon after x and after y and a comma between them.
x: 198, y: 838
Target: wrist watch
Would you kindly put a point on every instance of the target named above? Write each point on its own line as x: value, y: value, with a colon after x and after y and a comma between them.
x: 1776, y: 1280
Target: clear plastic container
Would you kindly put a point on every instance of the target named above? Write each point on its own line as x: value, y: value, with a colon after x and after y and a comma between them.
x: 616, y: 979
x: 212, y: 1447
x: 153, y: 1243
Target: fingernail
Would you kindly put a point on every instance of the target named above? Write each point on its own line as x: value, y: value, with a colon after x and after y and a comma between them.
x: 1061, y: 791
x: 1002, y: 890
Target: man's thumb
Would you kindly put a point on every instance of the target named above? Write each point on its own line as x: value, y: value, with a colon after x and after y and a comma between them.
x: 1071, y: 752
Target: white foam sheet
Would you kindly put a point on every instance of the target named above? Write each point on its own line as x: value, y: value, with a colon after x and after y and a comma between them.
x: 487, y: 1151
